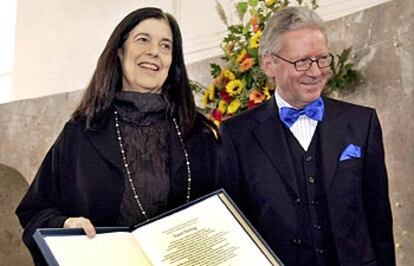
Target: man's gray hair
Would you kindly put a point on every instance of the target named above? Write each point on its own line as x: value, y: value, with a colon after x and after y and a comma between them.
x: 285, y: 20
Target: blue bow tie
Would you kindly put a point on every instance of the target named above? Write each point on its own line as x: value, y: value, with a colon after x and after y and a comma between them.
x: 314, y: 110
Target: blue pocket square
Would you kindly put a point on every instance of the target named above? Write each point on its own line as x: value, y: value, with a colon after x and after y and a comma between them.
x: 351, y: 151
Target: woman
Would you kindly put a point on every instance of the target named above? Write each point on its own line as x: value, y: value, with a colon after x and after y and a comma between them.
x: 135, y: 147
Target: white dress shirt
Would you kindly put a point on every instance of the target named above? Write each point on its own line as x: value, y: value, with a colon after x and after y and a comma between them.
x: 303, y: 129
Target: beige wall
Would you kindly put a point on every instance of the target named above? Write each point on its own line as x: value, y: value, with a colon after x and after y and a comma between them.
x: 58, y: 41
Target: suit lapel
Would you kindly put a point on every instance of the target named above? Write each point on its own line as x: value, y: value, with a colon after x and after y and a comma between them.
x: 332, y: 131
x: 105, y: 142
x: 271, y: 139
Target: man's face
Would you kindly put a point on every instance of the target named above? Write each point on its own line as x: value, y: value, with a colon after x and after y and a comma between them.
x: 299, y: 88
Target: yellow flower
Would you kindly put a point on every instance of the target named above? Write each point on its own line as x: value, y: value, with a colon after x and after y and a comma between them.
x: 255, y: 40
x: 270, y: 3
x: 246, y: 64
x: 266, y: 91
x: 241, y: 56
x: 233, y: 106
x: 223, y: 78
x: 228, y: 74
x: 222, y: 106
x: 204, y: 98
x: 210, y: 91
x: 234, y: 87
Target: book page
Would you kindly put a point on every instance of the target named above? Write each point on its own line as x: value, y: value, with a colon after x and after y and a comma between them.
x: 116, y: 248
x: 205, y: 233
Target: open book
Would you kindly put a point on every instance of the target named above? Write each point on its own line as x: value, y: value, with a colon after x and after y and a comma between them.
x: 208, y: 231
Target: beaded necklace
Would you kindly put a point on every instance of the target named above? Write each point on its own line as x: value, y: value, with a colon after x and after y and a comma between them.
x: 128, y: 172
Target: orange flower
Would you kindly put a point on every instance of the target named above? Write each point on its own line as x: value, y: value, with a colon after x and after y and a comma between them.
x: 218, y: 81
x: 256, y: 96
x: 256, y: 28
x: 254, y: 21
x: 246, y: 64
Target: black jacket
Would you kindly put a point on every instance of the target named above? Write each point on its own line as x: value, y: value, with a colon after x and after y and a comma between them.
x: 82, y: 175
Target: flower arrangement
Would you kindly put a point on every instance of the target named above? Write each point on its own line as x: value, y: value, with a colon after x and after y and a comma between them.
x: 241, y: 84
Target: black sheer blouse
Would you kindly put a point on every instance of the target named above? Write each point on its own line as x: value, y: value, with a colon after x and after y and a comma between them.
x: 144, y: 130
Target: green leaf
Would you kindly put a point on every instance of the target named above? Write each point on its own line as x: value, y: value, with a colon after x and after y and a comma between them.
x: 215, y: 69
x: 241, y: 8
x: 248, y: 81
x: 246, y: 29
x: 253, y: 52
x: 253, y: 3
x: 196, y: 86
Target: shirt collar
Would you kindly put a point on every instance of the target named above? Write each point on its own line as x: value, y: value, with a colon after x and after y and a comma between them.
x: 280, y: 102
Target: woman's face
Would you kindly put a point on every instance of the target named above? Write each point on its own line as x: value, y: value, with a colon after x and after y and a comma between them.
x: 146, y: 56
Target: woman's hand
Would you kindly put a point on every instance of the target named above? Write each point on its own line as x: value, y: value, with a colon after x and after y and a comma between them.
x: 81, y: 222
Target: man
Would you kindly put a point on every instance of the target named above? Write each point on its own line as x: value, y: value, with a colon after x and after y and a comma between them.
x: 309, y: 171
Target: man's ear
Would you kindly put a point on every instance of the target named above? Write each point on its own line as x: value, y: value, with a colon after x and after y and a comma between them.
x: 268, y: 65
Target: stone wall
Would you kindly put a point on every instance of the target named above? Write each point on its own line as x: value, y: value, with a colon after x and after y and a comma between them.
x: 383, y: 43
x: 29, y: 127
x: 383, y: 40
x: 12, y: 250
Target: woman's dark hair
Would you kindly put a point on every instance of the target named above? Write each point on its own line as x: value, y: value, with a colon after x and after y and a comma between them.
x: 107, y: 78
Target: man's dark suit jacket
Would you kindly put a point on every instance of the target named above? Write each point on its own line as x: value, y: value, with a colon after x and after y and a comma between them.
x: 261, y: 180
